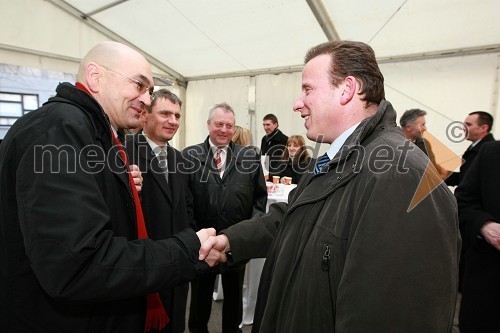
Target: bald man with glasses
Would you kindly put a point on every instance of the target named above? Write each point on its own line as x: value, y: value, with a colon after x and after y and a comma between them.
x: 76, y: 255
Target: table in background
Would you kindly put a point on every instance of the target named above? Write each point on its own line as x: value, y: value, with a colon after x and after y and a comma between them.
x: 254, y: 266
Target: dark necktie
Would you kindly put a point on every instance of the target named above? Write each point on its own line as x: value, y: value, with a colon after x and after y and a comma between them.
x: 322, y: 161
x: 162, y: 160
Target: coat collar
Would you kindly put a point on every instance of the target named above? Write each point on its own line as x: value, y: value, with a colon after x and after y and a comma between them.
x: 68, y: 93
x: 206, y: 157
x: 328, y: 182
x: 88, y: 104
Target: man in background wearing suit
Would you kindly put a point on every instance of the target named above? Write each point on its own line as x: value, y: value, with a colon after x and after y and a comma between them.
x: 273, y: 143
x: 478, y: 126
x: 228, y: 186
x: 478, y: 197
x: 166, y: 200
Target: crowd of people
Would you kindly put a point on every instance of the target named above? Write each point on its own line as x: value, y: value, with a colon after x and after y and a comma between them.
x: 103, y: 229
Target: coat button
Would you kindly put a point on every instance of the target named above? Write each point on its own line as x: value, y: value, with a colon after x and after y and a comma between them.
x: 339, y: 178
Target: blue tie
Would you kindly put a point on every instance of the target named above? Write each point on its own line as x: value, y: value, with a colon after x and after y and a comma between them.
x: 324, y: 159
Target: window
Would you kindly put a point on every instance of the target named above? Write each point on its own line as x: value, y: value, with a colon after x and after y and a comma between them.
x: 13, y: 106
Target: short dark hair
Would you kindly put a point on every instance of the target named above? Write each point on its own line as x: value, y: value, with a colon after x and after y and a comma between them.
x: 356, y: 59
x: 484, y: 118
x: 271, y: 117
x: 166, y: 94
x: 410, y: 116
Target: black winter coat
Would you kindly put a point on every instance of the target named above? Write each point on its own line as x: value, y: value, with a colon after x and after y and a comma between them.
x: 470, y: 154
x: 70, y: 258
x: 478, y: 199
x: 272, y: 146
x: 347, y: 254
x: 221, y: 202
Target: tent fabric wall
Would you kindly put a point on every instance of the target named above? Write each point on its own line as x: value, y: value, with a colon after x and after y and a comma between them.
x: 447, y: 88
x: 41, y: 34
x: 202, y: 95
x: 277, y: 94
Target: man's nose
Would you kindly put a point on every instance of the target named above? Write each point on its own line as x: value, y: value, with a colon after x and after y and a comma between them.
x: 145, y: 98
x: 298, y: 105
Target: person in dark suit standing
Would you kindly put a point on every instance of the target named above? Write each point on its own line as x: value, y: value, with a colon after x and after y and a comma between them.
x: 273, y: 143
x: 166, y: 199
x: 478, y: 197
x: 228, y: 186
x: 478, y: 127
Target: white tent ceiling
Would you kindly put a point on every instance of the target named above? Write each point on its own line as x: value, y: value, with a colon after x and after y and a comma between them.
x: 195, y: 39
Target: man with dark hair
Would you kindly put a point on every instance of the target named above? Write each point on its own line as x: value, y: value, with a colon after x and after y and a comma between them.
x: 166, y: 200
x: 273, y: 143
x: 478, y: 127
x: 413, y: 126
x: 75, y: 251
x: 349, y: 253
x: 228, y: 186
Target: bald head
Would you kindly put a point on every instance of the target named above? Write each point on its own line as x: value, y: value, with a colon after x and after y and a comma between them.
x: 108, y: 54
x: 120, y: 79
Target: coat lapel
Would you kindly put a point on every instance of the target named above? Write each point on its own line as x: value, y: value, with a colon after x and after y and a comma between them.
x: 173, y: 179
x: 148, y: 157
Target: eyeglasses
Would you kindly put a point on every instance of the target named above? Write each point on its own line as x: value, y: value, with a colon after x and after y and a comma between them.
x: 141, y: 87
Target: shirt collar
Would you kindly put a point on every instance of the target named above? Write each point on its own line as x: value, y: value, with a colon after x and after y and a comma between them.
x: 214, y: 147
x: 339, y: 142
x: 156, y: 148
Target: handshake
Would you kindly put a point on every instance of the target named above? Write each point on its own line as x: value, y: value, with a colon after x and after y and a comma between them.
x: 213, y: 248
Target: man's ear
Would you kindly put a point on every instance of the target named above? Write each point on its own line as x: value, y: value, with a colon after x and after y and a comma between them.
x: 143, y: 115
x: 349, y: 88
x: 93, y: 76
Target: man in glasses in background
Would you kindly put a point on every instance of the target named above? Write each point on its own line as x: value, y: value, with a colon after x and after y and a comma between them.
x: 75, y: 254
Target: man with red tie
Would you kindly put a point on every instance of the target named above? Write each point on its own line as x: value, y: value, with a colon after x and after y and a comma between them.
x: 228, y: 186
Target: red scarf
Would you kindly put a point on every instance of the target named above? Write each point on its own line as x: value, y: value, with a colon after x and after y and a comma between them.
x: 156, y: 317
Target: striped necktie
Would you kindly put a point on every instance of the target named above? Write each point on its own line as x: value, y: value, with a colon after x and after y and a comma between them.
x: 322, y: 161
x: 218, y: 160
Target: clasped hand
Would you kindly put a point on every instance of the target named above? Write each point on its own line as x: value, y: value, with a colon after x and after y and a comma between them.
x: 491, y: 233
x: 213, y: 248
